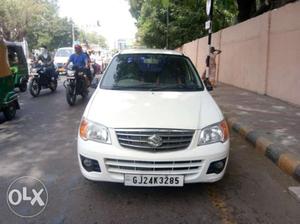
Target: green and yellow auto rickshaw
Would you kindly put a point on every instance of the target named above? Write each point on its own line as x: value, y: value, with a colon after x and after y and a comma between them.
x: 18, y: 64
x: 8, y: 98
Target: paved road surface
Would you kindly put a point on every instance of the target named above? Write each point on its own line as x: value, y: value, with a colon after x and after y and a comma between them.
x: 41, y: 142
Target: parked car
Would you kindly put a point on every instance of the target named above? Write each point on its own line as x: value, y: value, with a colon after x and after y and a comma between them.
x: 152, y: 122
x: 61, y: 57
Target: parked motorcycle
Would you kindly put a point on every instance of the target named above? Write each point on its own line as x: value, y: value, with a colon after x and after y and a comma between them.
x: 76, y: 84
x: 41, y: 79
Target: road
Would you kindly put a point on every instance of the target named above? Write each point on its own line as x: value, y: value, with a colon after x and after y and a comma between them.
x: 41, y: 142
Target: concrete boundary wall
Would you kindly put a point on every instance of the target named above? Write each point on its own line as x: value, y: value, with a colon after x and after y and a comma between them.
x: 261, y: 54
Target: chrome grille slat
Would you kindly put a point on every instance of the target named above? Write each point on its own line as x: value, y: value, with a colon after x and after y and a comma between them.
x: 147, y: 135
x: 145, y: 141
x: 131, y: 140
x: 172, y: 139
x: 149, y: 147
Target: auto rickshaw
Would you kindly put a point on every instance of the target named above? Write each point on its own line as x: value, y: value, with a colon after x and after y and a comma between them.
x: 8, y: 98
x: 18, y: 64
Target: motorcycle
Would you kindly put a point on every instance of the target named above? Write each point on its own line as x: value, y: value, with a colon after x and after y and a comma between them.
x: 41, y: 79
x: 76, y: 84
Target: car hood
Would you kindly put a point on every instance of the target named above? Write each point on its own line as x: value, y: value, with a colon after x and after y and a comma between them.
x: 60, y: 60
x: 146, y: 109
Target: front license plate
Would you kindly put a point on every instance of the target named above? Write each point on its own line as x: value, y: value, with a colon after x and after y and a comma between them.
x: 153, y: 180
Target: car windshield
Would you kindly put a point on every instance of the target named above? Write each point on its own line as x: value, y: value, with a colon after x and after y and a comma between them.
x: 151, y: 72
x: 64, y: 52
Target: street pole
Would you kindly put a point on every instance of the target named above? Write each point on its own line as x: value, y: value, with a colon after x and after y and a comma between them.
x: 167, y: 32
x: 73, y: 34
x: 208, y: 25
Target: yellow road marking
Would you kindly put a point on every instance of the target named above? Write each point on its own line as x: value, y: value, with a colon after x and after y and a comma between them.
x: 219, y: 203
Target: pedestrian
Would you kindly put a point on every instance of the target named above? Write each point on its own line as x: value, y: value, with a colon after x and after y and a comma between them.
x: 212, y: 66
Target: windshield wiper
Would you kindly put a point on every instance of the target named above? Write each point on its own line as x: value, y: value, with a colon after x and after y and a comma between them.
x: 150, y: 87
x: 145, y: 86
x: 182, y: 87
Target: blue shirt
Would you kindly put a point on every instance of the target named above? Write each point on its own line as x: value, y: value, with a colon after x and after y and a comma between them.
x: 79, y: 60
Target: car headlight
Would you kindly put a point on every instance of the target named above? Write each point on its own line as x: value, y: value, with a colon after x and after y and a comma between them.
x: 218, y: 132
x: 89, y: 130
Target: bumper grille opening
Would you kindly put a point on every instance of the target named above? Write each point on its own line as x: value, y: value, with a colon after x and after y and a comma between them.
x: 153, y: 167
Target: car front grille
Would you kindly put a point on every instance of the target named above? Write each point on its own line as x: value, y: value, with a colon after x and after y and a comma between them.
x: 171, y: 139
x: 60, y: 65
x: 185, y: 167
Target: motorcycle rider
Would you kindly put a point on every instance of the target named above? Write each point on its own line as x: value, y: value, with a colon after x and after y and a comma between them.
x: 80, y: 60
x: 88, y: 71
x: 46, y: 59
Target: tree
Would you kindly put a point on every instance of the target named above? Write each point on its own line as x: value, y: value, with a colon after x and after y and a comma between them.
x: 92, y: 38
x: 187, y: 17
x: 17, y: 16
x: 186, y: 20
x: 35, y: 20
x: 246, y: 9
x: 251, y: 8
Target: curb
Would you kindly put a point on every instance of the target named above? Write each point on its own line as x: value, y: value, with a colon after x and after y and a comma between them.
x: 285, y: 160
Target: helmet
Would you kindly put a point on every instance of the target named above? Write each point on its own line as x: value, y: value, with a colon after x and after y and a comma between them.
x: 78, y: 47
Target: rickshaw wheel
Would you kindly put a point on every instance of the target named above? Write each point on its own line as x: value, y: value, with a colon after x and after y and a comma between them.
x: 23, y: 87
x: 10, y: 111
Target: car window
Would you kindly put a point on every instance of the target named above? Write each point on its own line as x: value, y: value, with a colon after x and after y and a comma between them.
x: 151, y: 72
x: 63, y: 52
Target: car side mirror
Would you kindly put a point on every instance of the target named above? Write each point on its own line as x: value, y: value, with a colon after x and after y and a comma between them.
x: 208, y: 84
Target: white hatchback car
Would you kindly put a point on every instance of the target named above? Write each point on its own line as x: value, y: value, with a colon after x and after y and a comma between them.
x: 61, y: 57
x: 152, y: 122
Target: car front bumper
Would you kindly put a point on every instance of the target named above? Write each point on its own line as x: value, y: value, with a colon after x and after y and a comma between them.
x: 116, y: 161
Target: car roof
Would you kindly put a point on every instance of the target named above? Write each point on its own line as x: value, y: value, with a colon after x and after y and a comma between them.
x: 150, y: 51
x: 10, y: 43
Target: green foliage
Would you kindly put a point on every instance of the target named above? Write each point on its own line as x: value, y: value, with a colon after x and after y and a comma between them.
x: 135, y: 7
x: 38, y: 21
x: 92, y: 38
x: 186, y: 20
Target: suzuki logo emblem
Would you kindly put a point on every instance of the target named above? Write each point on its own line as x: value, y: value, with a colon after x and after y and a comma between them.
x: 155, y: 140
